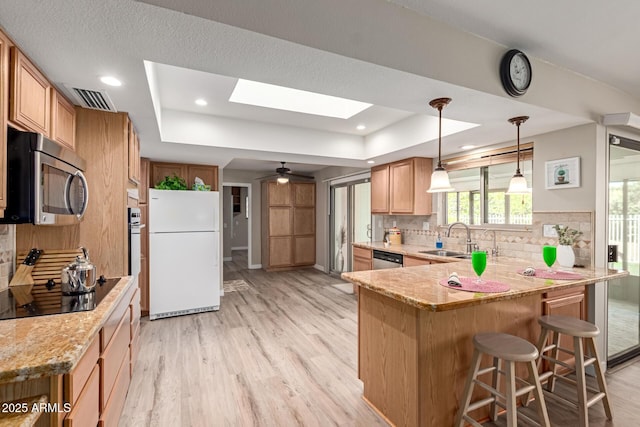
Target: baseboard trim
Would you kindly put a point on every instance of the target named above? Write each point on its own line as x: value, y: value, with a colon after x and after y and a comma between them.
x: 255, y: 266
x: 239, y: 248
x: 227, y: 258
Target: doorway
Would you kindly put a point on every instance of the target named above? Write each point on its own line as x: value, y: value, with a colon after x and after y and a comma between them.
x: 350, y: 218
x: 236, y: 223
x: 624, y: 233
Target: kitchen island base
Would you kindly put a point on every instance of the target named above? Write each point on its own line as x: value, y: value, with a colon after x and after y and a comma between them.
x: 414, y: 362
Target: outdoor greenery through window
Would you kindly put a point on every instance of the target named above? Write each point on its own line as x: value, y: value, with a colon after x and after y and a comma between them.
x: 480, y: 195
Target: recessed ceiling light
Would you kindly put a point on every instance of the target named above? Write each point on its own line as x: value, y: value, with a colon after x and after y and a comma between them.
x: 201, y: 102
x: 467, y: 147
x: 361, y: 127
x: 301, y: 101
x: 111, y: 81
x: 371, y: 161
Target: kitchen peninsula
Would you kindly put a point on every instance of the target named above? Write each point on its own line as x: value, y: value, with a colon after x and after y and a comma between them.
x: 80, y: 363
x: 415, y: 335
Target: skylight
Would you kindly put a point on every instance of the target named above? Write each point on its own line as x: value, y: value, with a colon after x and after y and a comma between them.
x: 284, y: 98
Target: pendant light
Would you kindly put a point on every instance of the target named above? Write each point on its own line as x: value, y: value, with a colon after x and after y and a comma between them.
x: 518, y: 184
x: 439, y: 178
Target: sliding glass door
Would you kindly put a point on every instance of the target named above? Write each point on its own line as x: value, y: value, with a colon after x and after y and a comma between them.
x: 624, y: 233
x: 350, y: 221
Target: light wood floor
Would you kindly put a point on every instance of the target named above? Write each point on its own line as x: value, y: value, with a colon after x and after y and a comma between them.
x: 282, y: 353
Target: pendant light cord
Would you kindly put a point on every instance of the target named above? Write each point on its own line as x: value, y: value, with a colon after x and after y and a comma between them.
x: 518, y: 153
x: 439, y: 136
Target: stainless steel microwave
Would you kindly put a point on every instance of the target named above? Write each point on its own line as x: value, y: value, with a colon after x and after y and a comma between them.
x: 45, y: 183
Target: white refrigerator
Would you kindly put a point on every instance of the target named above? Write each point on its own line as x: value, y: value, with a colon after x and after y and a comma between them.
x: 184, y: 252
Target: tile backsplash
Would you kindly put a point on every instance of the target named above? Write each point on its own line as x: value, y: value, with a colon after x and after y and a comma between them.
x: 7, y: 249
x: 525, y: 243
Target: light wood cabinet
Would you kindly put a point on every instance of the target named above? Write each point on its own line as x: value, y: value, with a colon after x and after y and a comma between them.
x: 362, y: 259
x: 401, y: 187
x: 409, y: 261
x: 86, y: 410
x: 63, y: 120
x: 208, y: 173
x: 380, y: 189
x: 30, y: 104
x: 288, y: 225
x: 143, y: 187
x: 4, y: 112
x: 133, y: 153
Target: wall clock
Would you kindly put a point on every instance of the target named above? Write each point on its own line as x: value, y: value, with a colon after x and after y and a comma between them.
x: 515, y: 72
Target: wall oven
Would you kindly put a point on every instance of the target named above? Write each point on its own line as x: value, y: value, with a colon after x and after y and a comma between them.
x: 45, y: 183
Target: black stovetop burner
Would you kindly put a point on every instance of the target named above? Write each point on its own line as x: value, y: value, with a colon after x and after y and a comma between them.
x: 55, y: 303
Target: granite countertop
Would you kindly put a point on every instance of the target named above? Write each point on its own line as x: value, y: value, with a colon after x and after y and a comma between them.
x: 34, y: 347
x: 419, y: 286
x: 410, y: 250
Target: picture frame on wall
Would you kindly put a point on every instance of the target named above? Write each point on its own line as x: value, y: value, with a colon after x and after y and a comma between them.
x: 562, y: 173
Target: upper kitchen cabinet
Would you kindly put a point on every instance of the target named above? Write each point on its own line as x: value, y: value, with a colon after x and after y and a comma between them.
x: 4, y: 111
x: 134, y: 154
x: 63, y: 120
x: 30, y: 101
x: 401, y: 187
x: 188, y: 172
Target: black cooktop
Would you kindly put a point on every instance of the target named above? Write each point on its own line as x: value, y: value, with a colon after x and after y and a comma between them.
x: 55, y: 302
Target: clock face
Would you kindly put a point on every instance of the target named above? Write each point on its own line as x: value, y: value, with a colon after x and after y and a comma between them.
x: 515, y: 72
x: 519, y: 72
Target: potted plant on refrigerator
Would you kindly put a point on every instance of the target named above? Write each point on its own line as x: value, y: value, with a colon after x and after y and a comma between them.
x: 566, y: 239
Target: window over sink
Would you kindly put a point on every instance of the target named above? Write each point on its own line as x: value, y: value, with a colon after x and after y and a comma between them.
x: 481, y: 182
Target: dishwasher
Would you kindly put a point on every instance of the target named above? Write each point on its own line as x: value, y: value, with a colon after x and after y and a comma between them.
x: 382, y: 259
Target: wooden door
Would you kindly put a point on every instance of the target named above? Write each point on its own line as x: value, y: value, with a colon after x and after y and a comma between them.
x: 304, y: 250
x: 280, y: 221
x: 143, y: 187
x: 401, y: 181
x: 304, y: 221
x: 279, y: 194
x: 63, y: 120
x: 280, y: 251
x: 159, y: 170
x: 304, y: 194
x: 380, y: 189
x: 30, y: 95
x: 208, y: 174
x: 4, y: 111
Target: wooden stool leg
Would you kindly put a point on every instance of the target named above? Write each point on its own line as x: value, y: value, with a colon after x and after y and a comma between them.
x: 602, y: 385
x: 468, y: 388
x: 580, y: 382
x: 537, y: 391
x: 495, y: 384
x: 554, y: 355
x: 510, y: 394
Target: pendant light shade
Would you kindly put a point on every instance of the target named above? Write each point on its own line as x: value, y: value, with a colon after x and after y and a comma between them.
x: 518, y: 184
x: 282, y: 179
x: 440, y: 178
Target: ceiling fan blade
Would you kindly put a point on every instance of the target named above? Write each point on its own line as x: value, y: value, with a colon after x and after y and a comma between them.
x: 268, y: 176
x: 300, y: 176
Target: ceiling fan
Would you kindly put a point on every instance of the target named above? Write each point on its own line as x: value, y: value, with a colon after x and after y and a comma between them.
x: 283, y: 173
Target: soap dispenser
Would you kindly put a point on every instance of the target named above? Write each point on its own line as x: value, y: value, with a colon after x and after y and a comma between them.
x: 438, y: 242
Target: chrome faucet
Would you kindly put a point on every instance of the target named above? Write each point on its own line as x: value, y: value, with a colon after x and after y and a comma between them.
x: 494, y: 249
x: 469, y: 243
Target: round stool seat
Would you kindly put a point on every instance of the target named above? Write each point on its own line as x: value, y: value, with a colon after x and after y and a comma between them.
x: 569, y: 326
x: 505, y: 346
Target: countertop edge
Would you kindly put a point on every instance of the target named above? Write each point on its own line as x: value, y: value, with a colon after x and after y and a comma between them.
x: 65, y: 363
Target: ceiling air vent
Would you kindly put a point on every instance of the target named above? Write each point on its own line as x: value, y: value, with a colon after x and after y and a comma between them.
x: 94, y: 99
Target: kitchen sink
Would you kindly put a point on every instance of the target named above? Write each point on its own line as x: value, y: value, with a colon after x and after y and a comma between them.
x: 451, y: 254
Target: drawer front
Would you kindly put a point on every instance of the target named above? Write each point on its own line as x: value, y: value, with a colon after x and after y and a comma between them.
x: 135, y: 311
x: 86, y: 411
x: 113, y: 321
x: 361, y: 252
x: 134, y: 349
x: 111, y: 358
x: 111, y: 413
x: 75, y: 381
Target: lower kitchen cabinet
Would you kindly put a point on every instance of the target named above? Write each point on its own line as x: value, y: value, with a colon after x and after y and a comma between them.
x: 409, y: 261
x: 362, y: 259
x: 97, y: 387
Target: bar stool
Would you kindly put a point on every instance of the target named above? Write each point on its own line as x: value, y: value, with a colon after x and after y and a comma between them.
x: 580, y: 331
x: 510, y: 349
